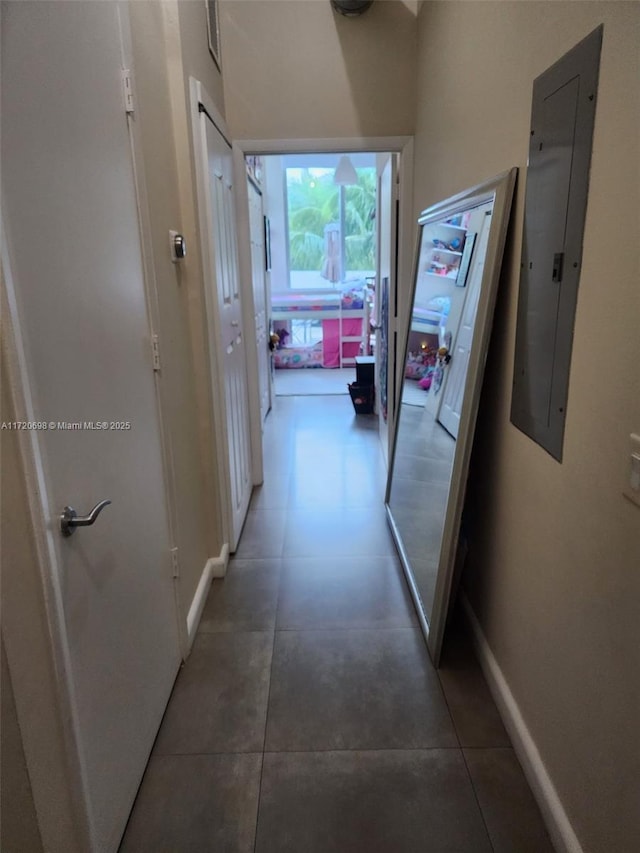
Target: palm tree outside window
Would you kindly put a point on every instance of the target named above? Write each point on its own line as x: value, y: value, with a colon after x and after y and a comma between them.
x: 316, y: 256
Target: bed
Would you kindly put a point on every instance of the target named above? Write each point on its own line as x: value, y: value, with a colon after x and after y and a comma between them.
x: 287, y: 357
x: 345, y: 325
x: 431, y: 319
x: 428, y: 332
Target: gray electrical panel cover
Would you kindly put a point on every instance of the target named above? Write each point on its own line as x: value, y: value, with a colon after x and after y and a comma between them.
x: 562, y: 117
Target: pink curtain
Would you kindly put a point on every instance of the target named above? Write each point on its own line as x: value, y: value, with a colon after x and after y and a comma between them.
x: 331, y: 340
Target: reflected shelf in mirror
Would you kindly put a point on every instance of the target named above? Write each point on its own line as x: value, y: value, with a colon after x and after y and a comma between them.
x: 445, y: 347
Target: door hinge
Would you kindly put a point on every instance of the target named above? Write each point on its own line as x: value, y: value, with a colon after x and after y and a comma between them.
x: 155, y: 352
x: 175, y: 565
x: 127, y: 90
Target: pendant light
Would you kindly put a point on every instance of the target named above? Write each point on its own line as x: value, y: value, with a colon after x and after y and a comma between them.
x: 345, y: 174
x: 351, y: 8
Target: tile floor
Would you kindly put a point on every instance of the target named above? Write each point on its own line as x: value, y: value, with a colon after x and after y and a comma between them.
x: 305, y: 381
x: 308, y: 718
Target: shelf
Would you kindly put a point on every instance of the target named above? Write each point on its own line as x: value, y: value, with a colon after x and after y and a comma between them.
x: 448, y: 225
x: 447, y: 251
x: 450, y: 276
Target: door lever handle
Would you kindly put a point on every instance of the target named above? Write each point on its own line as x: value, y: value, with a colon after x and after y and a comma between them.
x: 70, y: 519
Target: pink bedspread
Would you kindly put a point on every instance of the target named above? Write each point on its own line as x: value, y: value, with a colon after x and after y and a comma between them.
x: 289, y: 358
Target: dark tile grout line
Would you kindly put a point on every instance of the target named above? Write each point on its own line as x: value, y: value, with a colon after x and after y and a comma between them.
x: 266, y: 715
x: 325, y: 630
x: 152, y: 754
x: 466, y: 765
x: 345, y: 750
x: 475, y: 796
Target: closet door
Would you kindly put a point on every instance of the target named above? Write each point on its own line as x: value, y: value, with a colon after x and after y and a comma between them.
x: 225, y: 317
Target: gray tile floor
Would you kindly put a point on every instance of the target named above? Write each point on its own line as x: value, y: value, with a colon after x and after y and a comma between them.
x: 308, y: 718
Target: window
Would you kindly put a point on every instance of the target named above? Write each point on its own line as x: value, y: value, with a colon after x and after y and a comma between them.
x: 318, y: 256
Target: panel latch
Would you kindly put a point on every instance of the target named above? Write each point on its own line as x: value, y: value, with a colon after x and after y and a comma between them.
x: 558, y: 263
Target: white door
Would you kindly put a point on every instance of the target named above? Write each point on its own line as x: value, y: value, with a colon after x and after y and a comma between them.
x: 453, y: 393
x: 257, y: 238
x: 69, y: 207
x: 385, y: 295
x: 231, y: 345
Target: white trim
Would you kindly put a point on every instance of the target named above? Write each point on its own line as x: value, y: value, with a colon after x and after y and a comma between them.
x: 197, y: 89
x: 336, y: 145
x: 248, y: 313
x: 215, y: 567
x: 555, y: 817
x: 407, y: 229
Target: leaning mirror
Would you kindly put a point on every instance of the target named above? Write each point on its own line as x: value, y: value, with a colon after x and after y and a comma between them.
x: 455, y: 281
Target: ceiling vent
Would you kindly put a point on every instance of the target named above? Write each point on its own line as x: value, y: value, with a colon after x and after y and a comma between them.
x: 351, y: 8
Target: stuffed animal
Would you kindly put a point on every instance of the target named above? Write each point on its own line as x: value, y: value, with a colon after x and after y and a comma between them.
x: 444, y: 356
x: 282, y: 338
x: 427, y: 379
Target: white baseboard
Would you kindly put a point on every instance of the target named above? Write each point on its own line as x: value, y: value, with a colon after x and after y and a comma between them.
x: 557, y: 822
x: 215, y: 567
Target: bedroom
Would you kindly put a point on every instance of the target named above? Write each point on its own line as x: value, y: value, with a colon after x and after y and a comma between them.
x: 319, y: 234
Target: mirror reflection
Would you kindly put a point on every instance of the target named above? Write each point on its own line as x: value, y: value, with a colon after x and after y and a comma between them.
x: 458, y: 258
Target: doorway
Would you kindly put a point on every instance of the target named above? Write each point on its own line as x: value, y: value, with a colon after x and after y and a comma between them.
x: 320, y: 262
x: 319, y: 229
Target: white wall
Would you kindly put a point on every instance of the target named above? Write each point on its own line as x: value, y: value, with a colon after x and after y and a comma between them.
x: 552, y: 571
x: 155, y: 32
x: 196, y: 58
x: 298, y: 70
x: 275, y: 210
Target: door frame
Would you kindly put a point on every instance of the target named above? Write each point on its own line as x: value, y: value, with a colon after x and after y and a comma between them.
x: 385, y: 425
x: 402, y: 145
x: 254, y: 378
x: 248, y: 313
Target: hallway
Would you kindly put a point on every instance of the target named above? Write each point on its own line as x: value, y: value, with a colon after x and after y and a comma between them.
x: 308, y: 718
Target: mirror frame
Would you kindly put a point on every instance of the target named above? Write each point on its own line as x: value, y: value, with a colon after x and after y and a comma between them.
x: 500, y: 190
